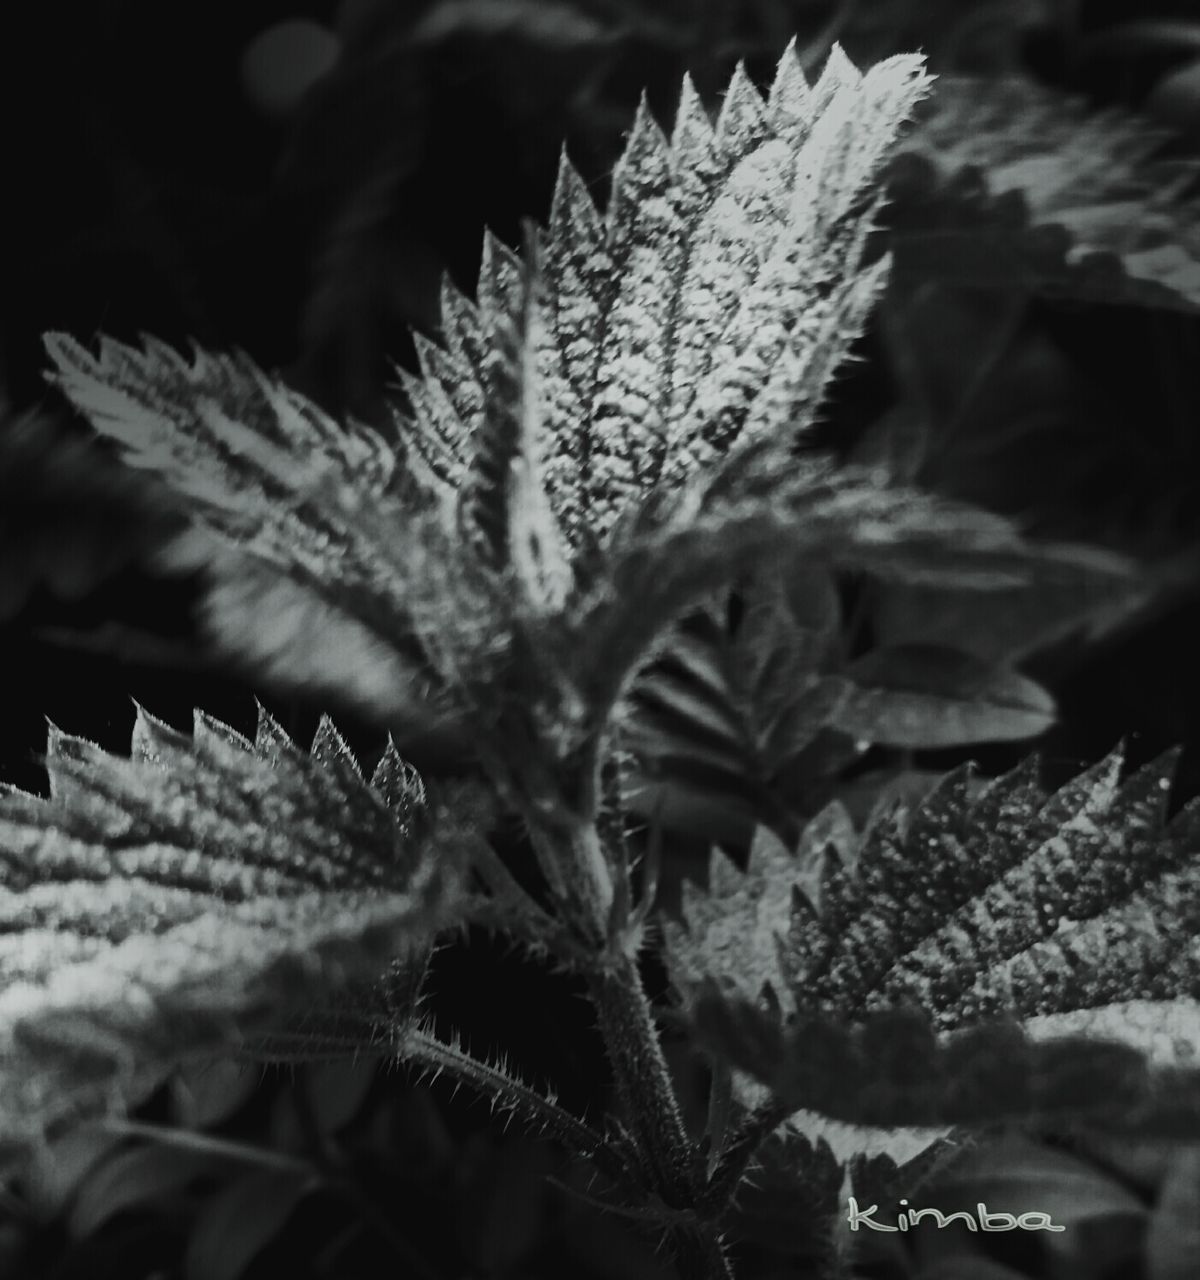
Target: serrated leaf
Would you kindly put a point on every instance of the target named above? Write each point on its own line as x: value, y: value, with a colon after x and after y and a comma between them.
x: 639, y: 392
x: 849, y: 520
x: 889, y: 1069
x: 636, y: 383
x: 954, y: 229
x: 165, y: 907
x: 1091, y: 184
x: 742, y: 700
x: 1026, y: 953
x: 735, y: 926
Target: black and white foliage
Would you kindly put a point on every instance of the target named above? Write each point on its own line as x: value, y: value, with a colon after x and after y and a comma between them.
x: 957, y: 962
x: 180, y: 902
x: 1043, y: 194
x: 585, y: 551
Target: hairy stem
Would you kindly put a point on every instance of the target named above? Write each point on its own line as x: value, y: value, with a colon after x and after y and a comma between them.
x: 647, y: 1095
x: 746, y: 1139
x: 541, y: 1113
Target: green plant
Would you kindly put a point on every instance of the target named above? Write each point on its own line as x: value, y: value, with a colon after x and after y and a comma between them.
x: 606, y: 552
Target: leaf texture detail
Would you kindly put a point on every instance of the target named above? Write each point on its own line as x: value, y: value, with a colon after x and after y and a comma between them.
x: 167, y: 905
x: 1060, y: 925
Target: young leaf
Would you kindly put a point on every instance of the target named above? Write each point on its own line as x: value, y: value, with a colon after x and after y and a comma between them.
x: 169, y: 905
x: 672, y: 320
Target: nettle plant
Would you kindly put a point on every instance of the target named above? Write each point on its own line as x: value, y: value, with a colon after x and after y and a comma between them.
x: 605, y: 552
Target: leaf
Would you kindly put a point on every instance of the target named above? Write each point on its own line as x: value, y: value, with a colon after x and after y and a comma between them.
x: 1015, y: 955
x: 604, y: 438
x: 239, y: 1222
x: 843, y: 520
x: 1089, y: 180
x: 989, y: 414
x: 889, y: 1070
x: 729, y: 704
x: 735, y: 926
x: 136, y: 1179
x: 924, y: 696
x: 671, y: 319
x: 1172, y: 1248
x: 1099, y: 1216
x: 797, y: 1182
x: 954, y: 229
x: 502, y: 496
x: 167, y: 906
x: 1056, y: 1182
x: 208, y: 1093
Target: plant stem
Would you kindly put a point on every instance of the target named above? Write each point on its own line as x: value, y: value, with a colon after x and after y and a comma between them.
x: 541, y: 1113
x: 647, y: 1094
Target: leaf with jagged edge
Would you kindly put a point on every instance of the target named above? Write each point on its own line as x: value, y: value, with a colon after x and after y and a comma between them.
x: 502, y: 502
x: 1066, y: 200
x: 752, y: 230
x: 1040, y: 943
x: 954, y: 229
x: 283, y: 496
x: 188, y: 898
x: 709, y: 302
x: 733, y: 700
x: 731, y: 930
x: 891, y: 1069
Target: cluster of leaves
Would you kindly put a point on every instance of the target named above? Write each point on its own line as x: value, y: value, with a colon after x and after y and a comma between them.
x: 605, y: 551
